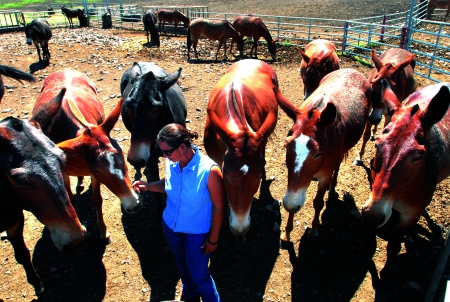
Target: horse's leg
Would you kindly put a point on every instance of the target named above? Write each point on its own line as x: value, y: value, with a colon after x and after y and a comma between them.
x: 218, y: 48
x: 318, y: 206
x: 194, y: 44
x: 22, y: 254
x: 286, y: 236
x: 47, y: 52
x: 176, y: 25
x: 358, y: 160
x: 38, y: 50
x: 255, y: 42
x: 98, y: 202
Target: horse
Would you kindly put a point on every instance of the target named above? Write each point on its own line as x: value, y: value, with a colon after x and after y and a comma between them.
x: 39, y: 32
x: 71, y: 14
x: 254, y: 27
x: 50, y: 11
x: 15, y: 74
x: 242, y: 114
x: 152, y: 99
x: 31, y: 179
x: 70, y: 108
x: 319, y: 59
x: 220, y: 30
x: 411, y: 158
x: 169, y: 16
x: 432, y: 4
x: 326, y: 126
x: 149, y: 19
x: 396, y: 65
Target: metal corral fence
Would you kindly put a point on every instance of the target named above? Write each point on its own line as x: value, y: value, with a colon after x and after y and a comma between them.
x: 11, y: 20
x: 428, y: 40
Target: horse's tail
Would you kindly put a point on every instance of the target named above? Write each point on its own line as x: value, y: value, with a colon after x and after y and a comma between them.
x: 16, y: 74
x: 189, y: 41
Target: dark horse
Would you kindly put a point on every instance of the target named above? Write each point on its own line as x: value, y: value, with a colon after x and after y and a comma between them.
x: 14, y: 73
x: 31, y: 178
x: 169, y: 16
x: 71, y: 14
x: 220, y: 30
x: 39, y: 32
x: 149, y: 19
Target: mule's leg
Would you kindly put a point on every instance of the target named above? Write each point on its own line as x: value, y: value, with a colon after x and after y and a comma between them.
x: 318, y: 206
x: 254, y: 47
x: 176, y: 25
x: 22, y: 254
x: 358, y: 160
x: 38, y: 50
x: 286, y: 236
x: 194, y: 44
x: 98, y: 202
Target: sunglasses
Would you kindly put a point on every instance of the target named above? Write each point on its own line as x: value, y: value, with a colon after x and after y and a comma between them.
x: 168, y: 152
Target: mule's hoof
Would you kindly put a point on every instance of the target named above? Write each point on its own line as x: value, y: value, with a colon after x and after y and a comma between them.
x: 80, y: 188
x: 358, y: 162
x: 372, y: 138
x: 285, y: 236
x: 107, y: 239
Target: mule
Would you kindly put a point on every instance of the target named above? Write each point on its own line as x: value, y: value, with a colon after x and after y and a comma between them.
x: 221, y: 30
x: 31, y: 179
x: 326, y: 126
x: 171, y: 16
x: 432, y: 4
x: 254, y: 27
x: 69, y: 107
x: 395, y: 65
x: 242, y: 114
x: 152, y: 99
x: 39, y: 33
x: 411, y: 157
x: 319, y: 59
x: 15, y: 74
x: 149, y: 19
x: 72, y: 14
x: 50, y: 11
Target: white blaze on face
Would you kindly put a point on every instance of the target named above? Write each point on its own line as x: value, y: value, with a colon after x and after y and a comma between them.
x: 244, y: 169
x: 113, y: 170
x: 239, y: 224
x: 293, y: 201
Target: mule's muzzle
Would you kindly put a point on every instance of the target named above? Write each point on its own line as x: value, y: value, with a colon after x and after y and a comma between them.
x: 137, y: 164
x: 29, y: 41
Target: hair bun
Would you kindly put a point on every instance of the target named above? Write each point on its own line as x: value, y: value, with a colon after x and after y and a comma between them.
x: 193, y: 134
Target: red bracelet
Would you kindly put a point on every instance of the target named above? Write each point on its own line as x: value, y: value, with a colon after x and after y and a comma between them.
x: 212, y: 243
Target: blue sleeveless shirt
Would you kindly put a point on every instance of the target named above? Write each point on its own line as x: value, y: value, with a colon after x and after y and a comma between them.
x: 189, y: 205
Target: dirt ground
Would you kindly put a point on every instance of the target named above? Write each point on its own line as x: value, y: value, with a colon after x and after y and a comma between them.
x: 138, y: 265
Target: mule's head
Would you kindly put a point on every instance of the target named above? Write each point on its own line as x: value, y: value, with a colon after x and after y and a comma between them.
x: 145, y: 111
x: 33, y: 167
x: 402, y: 153
x: 305, y: 147
x: 94, y: 152
x: 242, y: 172
x: 272, y: 47
x: 29, y: 33
x: 314, y: 68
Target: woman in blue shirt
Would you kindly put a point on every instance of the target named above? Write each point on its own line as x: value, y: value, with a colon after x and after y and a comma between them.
x: 194, y: 210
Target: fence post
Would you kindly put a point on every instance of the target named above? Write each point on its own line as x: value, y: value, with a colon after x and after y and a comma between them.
x: 344, y: 39
x: 278, y: 26
x: 23, y: 19
x: 410, y: 25
x: 404, y: 36
x: 383, y: 29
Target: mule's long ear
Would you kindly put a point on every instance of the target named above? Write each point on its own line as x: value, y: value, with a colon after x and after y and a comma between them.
x: 77, y: 113
x: 112, y: 118
x: 391, y: 101
x: 305, y: 57
x: 438, y: 106
x: 328, y: 115
x: 170, y: 79
x: 135, y: 71
x: 400, y: 66
x: 44, y: 117
x: 376, y: 60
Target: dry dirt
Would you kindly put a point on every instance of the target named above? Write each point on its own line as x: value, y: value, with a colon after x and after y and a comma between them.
x: 137, y: 265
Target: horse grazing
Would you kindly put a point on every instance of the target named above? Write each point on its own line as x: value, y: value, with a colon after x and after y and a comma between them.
x: 31, y: 179
x: 39, y: 32
x: 326, y: 126
x: 171, y: 16
x: 72, y: 14
x: 73, y: 116
x: 242, y: 114
x: 254, y: 27
x: 432, y: 4
x: 319, y: 59
x: 221, y: 30
x: 149, y: 19
x: 395, y: 65
x: 152, y: 99
x: 411, y: 158
x: 15, y: 74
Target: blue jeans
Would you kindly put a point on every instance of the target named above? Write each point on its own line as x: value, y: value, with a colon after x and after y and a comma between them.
x: 192, y: 264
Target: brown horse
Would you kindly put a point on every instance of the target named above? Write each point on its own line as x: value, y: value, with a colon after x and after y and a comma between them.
x: 444, y: 4
x: 171, y: 16
x: 220, y: 30
x: 254, y: 27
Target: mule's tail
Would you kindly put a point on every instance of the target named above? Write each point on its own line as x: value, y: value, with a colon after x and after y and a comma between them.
x: 16, y: 74
x: 189, y: 41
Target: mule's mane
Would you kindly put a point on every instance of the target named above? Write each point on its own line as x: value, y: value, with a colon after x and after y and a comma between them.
x: 266, y: 33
